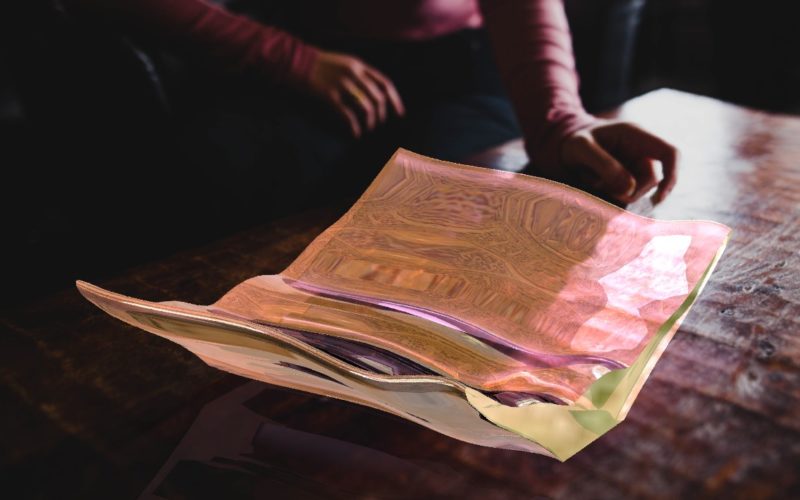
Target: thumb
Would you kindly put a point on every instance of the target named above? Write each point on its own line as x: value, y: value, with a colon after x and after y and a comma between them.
x: 613, y: 177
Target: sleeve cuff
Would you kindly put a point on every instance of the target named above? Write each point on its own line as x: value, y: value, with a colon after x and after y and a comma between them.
x: 303, y: 58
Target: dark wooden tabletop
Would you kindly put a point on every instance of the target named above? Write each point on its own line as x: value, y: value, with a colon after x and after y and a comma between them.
x: 94, y: 408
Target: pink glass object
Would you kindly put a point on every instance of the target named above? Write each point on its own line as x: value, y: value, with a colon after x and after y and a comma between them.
x: 522, y: 289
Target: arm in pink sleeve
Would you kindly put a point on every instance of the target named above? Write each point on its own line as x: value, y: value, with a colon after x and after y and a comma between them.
x: 213, y: 35
x: 533, y: 49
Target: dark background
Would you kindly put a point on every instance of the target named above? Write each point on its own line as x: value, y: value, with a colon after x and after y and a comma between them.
x: 91, y: 184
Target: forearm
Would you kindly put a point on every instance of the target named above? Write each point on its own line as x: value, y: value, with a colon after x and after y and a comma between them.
x: 212, y: 35
x: 533, y: 49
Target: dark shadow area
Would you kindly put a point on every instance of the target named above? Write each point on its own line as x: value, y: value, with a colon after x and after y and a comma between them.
x: 734, y: 50
x: 291, y: 445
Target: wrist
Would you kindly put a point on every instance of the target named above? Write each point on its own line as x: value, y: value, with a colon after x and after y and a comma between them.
x: 304, y: 59
x: 547, y: 152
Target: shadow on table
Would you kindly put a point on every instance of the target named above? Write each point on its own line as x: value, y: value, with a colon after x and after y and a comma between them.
x: 260, y: 441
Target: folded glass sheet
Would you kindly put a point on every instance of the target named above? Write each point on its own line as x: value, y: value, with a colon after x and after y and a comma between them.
x: 497, y: 308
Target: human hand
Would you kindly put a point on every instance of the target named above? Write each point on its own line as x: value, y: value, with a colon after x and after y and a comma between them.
x: 618, y: 160
x: 361, y: 94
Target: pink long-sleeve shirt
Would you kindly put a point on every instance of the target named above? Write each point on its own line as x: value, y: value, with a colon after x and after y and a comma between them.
x: 531, y: 40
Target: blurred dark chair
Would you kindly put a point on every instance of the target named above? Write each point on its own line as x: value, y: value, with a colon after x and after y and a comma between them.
x: 95, y: 129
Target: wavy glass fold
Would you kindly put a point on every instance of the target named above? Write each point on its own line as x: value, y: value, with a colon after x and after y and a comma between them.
x: 497, y: 308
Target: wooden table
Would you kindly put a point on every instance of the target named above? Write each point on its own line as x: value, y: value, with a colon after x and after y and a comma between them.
x: 92, y: 407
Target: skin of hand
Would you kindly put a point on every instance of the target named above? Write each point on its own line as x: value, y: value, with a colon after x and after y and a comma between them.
x: 361, y: 94
x: 617, y: 160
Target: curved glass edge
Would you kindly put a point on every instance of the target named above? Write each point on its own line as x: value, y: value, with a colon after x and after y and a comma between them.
x: 256, y: 351
x: 560, y: 431
x: 565, y: 430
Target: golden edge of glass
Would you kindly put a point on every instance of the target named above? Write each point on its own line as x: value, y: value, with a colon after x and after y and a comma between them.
x: 565, y: 430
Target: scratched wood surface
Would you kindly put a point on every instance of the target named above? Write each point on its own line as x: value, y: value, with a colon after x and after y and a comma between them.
x: 93, y: 407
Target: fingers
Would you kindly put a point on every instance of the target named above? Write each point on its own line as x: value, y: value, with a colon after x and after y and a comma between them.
x: 649, y: 146
x: 380, y: 90
x: 368, y: 95
x: 645, y: 175
x: 612, y: 177
x: 387, y: 87
x: 639, y: 148
x: 376, y: 96
x: 361, y: 102
x: 669, y: 166
x: 349, y: 115
x: 359, y: 93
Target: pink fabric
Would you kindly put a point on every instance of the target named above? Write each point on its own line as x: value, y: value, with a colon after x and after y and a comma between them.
x: 208, y: 32
x: 533, y: 49
x: 531, y: 39
x: 392, y: 19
